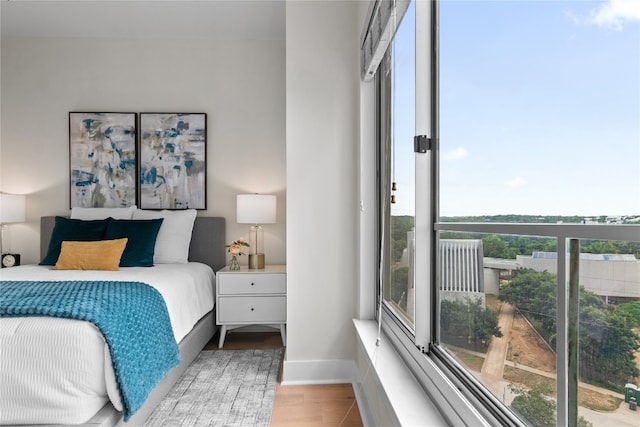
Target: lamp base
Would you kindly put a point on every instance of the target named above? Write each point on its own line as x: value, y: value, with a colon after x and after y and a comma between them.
x: 256, y: 261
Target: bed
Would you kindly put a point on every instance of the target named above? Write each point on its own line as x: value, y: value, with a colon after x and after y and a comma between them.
x: 82, y: 357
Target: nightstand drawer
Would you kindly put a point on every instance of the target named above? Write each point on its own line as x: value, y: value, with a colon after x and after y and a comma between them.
x: 235, y: 284
x: 252, y: 309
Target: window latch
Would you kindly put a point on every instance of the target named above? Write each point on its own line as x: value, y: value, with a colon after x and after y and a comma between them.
x: 421, y: 143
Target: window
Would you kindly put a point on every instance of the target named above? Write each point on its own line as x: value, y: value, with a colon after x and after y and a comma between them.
x: 397, y: 91
x: 515, y: 264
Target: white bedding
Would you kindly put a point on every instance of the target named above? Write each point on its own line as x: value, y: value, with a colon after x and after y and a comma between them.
x: 59, y: 370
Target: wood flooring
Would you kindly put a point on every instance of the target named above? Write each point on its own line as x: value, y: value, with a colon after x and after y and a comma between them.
x: 300, y: 405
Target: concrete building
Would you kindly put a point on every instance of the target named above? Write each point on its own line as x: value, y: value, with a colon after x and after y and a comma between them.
x: 462, y: 270
x: 615, y: 277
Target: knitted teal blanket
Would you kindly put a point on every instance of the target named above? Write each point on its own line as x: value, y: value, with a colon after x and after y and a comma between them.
x: 132, y: 317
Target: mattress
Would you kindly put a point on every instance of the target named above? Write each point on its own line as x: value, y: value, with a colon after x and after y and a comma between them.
x: 59, y: 370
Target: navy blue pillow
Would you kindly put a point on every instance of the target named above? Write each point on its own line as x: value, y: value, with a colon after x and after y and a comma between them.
x: 75, y: 230
x: 142, y: 234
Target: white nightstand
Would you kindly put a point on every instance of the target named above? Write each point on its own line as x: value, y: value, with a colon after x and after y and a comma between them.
x: 251, y: 297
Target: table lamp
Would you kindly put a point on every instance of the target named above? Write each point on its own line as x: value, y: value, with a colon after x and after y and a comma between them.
x: 256, y: 209
x: 12, y: 209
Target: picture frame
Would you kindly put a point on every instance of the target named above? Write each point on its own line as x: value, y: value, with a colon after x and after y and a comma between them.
x: 102, y: 159
x: 172, y: 165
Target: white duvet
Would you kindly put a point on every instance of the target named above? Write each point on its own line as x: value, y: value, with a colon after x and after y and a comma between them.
x: 59, y: 370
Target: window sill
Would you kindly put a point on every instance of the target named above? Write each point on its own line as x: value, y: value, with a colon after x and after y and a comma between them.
x: 391, y: 394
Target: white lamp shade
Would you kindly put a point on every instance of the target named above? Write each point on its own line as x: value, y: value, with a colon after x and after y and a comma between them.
x: 12, y: 208
x: 256, y: 209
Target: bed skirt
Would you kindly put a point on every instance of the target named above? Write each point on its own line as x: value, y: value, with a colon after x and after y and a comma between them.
x: 190, y: 346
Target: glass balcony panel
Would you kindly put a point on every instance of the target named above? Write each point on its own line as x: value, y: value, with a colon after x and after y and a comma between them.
x: 609, y: 332
x: 497, y: 296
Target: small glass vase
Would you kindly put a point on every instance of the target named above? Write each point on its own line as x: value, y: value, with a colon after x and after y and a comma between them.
x: 234, y: 266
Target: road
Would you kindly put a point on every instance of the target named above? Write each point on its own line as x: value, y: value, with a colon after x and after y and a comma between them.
x: 493, y: 367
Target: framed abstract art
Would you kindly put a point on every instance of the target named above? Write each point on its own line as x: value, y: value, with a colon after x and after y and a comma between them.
x: 102, y: 159
x: 172, y: 162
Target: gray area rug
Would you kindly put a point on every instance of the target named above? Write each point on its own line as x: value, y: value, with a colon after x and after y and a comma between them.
x: 234, y: 388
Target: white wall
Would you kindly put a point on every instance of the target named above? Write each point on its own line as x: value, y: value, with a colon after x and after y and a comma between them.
x: 322, y: 103
x: 240, y: 84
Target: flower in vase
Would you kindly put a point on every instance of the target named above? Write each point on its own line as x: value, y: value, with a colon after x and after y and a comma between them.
x: 235, y: 248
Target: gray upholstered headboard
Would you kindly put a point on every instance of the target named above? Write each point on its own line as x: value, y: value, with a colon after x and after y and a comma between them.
x: 207, y: 240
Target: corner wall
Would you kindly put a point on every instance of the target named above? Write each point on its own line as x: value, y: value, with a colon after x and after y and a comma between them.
x: 322, y: 103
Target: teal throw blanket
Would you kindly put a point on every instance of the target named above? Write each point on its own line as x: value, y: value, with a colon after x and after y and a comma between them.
x: 132, y: 317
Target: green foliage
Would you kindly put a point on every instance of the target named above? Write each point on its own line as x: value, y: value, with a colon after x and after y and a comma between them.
x: 632, y: 310
x: 400, y: 225
x: 606, y: 346
x: 599, y: 247
x: 625, y: 247
x: 469, y: 324
x: 533, y: 405
x: 533, y: 293
x: 535, y: 408
x: 606, y: 341
x: 495, y: 247
x: 582, y: 422
x: 610, y: 247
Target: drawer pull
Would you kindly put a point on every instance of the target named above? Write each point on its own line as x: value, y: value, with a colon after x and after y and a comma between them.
x: 252, y: 308
x: 252, y: 283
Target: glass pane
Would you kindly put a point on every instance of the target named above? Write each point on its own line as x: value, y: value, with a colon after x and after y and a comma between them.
x: 498, y: 316
x: 539, y: 109
x: 609, y: 324
x: 539, y: 121
x: 400, y: 83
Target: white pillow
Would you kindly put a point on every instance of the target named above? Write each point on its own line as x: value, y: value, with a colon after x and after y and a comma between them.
x: 174, y: 237
x: 102, y: 213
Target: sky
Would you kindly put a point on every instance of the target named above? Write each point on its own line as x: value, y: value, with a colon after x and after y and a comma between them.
x: 539, y: 108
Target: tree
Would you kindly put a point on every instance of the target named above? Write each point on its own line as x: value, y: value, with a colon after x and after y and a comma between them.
x: 607, y: 344
x: 536, y: 408
x: 495, y: 247
x: 531, y: 291
x: 468, y: 324
x: 632, y: 310
x: 600, y: 247
x: 532, y: 405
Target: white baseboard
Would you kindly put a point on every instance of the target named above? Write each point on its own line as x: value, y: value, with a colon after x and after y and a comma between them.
x: 319, y: 372
x: 328, y: 372
x: 386, y: 391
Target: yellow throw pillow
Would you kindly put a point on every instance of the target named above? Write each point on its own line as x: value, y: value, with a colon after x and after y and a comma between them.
x: 98, y: 255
